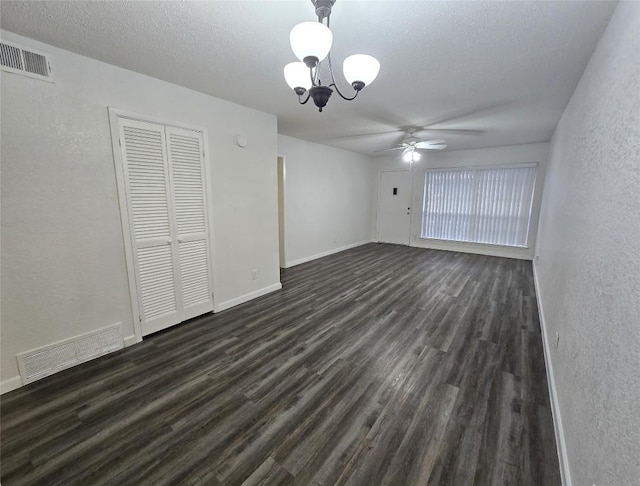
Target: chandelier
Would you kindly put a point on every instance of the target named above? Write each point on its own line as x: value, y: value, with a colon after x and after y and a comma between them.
x: 311, y: 43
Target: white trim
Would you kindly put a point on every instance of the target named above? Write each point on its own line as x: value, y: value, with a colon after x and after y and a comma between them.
x: 130, y: 340
x: 519, y: 253
x: 227, y: 304
x: 208, y: 186
x: 10, y: 384
x: 124, y: 218
x: 326, y: 253
x: 563, y: 458
x: 153, y: 119
x: 282, y: 225
x: 492, y: 245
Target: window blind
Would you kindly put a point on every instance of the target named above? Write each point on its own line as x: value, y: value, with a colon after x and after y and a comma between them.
x: 479, y: 205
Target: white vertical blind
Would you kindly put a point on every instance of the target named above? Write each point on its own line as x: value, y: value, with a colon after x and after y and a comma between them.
x: 479, y: 205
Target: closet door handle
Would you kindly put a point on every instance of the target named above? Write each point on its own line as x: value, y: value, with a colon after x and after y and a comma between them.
x: 179, y: 240
x: 169, y: 241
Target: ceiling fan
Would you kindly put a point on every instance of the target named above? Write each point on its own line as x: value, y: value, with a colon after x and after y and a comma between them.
x: 410, y: 144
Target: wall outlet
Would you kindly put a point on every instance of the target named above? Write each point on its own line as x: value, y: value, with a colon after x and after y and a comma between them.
x: 254, y: 274
x: 557, y: 339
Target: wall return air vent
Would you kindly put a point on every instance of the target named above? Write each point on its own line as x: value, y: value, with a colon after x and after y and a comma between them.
x: 26, y: 61
x: 45, y: 361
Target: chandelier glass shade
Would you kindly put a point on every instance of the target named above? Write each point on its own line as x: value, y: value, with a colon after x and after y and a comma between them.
x: 360, y: 68
x: 311, y: 40
x: 297, y: 76
x: 311, y: 43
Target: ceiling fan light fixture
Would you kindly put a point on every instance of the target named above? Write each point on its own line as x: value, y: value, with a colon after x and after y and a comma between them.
x: 410, y: 155
x: 296, y: 74
x: 360, y: 70
x: 311, y: 42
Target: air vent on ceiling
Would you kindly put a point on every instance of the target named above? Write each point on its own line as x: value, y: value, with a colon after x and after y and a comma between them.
x: 45, y: 361
x: 26, y: 61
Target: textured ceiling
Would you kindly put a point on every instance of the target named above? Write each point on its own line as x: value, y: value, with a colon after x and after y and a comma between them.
x: 504, y: 70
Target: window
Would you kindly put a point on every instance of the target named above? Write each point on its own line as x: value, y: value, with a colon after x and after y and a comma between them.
x: 479, y: 205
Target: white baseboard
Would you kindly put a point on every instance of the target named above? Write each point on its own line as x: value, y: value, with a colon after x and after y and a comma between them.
x: 555, y: 406
x: 227, y: 304
x: 476, y: 248
x: 325, y: 253
x: 130, y: 341
x: 10, y: 384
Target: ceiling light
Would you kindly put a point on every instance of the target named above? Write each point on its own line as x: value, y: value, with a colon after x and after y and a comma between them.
x: 311, y: 43
x: 360, y: 68
x: 410, y: 155
x: 297, y: 76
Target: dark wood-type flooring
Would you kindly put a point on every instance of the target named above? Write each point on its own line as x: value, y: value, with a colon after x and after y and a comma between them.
x: 379, y: 365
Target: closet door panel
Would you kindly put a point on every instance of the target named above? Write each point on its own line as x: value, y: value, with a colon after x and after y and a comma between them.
x: 186, y: 165
x: 146, y: 173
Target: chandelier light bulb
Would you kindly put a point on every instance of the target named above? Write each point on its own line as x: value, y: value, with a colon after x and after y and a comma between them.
x: 297, y: 76
x: 360, y: 70
x: 311, y: 42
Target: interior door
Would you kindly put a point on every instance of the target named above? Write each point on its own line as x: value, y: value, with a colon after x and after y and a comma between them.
x: 166, y: 215
x: 394, y: 207
x: 146, y: 174
x: 186, y: 168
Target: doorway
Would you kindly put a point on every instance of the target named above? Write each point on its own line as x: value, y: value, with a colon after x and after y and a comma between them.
x: 394, y: 207
x: 281, y: 210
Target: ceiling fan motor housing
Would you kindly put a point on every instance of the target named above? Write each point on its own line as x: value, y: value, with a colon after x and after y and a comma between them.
x: 412, y: 140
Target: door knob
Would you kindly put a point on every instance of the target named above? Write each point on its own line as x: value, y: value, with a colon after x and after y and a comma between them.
x: 169, y: 241
x: 179, y: 240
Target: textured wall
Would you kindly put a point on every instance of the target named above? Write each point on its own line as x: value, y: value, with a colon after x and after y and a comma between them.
x: 589, y: 264
x: 63, y: 266
x: 328, y: 194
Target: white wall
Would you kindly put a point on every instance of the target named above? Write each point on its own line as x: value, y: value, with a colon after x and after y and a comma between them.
x: 328, y: 193
x: 588, y: 271
x: 63, y: 266
x: 508, y: 155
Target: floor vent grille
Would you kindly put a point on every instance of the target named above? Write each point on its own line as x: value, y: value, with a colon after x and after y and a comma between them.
x: 21, y: 60
x: 45, y: 361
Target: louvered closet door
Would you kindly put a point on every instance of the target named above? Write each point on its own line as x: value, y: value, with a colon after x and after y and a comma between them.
x: 147, y: 180
x: 186, y: 165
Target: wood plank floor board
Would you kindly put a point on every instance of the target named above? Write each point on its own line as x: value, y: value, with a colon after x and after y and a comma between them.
x: 382, y: 364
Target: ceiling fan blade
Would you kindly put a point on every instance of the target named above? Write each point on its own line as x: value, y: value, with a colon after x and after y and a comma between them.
x: 453, y: 131
x: 467, y: 114
x: 364, y: 135
x: 425, y: 144
x: 438, y: 146
x: 390, y: 149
